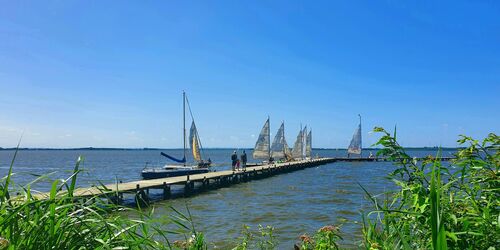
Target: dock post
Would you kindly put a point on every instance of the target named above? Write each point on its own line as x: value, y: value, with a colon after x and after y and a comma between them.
x: 245, y: 175
x: 120, y: 194
x: 188, y: 187
x: 141, y: 198
x: 166, y: 191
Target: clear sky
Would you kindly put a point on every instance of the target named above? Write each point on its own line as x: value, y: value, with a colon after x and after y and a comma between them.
x: 111, y: 73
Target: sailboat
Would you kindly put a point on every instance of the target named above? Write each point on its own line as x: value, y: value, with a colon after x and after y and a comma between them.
x: 279, y: 148
x: 170, y: 170
x: 355, y: 145
x: 298, y: 151
x: 262, y: 149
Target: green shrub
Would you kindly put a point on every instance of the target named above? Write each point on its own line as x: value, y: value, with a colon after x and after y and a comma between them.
x: 325, y: 239
x: 263, y: 239
x: 438, y: 206
x: 60, y: 221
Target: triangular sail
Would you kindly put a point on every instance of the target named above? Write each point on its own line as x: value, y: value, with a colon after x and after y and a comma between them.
x: 298, y: 146
x: 304, y: 142
x: 194, y: 142
x: 309, y: 144
x: 278, y: 146
x: 262, y: 146
x: 355, y: 145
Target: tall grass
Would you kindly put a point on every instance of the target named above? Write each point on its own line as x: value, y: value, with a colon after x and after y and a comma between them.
x: 60, y: 221
x: 438, y: 207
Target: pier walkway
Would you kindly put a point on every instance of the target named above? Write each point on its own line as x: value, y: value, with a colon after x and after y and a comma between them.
x: 204, y: 181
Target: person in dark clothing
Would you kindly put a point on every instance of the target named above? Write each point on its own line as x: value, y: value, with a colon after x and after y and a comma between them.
x: 244, y: 160
x: 234, y: 160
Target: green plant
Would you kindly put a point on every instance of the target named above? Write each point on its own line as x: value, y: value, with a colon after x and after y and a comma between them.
x: 264, y: 237
x: 267, y: 240
x: 437, y: 206
x: 324, y: 239
x: 245, y: 239
x: 61, y: 221
x: 196, y: 240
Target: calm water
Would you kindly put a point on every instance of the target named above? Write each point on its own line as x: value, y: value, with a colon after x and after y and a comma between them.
x: 294, y: 203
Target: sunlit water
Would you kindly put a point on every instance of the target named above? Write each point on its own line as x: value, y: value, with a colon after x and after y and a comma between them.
x: 293, y: 203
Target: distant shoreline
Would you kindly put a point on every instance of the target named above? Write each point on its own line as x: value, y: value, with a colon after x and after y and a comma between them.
x: 147, y: 149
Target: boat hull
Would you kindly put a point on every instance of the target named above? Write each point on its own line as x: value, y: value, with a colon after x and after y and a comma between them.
x: 163, y: 173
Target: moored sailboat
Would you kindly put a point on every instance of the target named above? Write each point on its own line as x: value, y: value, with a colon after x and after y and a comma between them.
x: 279, y: 148
x: 355, y: 147
x: 262, y: 149
x: 171, y: 170
x: 298, y: 146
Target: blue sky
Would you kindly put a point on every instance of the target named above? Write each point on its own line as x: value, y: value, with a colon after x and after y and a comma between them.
x: 111, y: 73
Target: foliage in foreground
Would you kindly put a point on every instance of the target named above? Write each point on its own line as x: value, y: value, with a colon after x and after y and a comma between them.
x: 262, y: 239
x: 324, y: 239
x: 436, y: 206
x: 59, y: 221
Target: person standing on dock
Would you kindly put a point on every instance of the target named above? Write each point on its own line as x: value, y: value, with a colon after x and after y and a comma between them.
x: 234, y: 160
x: 244, y: 160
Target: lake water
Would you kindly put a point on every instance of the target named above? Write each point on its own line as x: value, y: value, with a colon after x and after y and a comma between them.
x: 294, y: 203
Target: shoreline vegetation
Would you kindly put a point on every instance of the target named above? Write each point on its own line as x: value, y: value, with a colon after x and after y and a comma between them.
x: 435, y: 206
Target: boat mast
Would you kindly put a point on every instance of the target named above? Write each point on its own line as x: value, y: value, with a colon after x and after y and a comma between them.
x: 184, y: 122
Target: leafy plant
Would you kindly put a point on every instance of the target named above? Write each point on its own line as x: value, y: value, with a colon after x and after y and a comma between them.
x: 438, y: 206
x: 263, y: 239
x: 325, y: 239
x: 61, y: 221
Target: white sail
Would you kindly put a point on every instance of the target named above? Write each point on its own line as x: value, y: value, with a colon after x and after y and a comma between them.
x: 355, y: 145
x: 298, y: 146
x: 262, y: 146
x: 194, y: 142
x: 309, y: 144
x: 304, y: 142
x: 278, y: 149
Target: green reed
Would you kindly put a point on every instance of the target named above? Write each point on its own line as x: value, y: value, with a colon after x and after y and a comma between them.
x: 438, y: 207
x: 61, y: 221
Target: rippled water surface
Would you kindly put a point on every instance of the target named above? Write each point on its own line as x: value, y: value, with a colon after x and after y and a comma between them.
x: 294, y: 203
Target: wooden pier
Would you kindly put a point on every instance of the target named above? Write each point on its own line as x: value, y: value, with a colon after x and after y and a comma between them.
x: 192, y: 183
x: 200, y: 182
